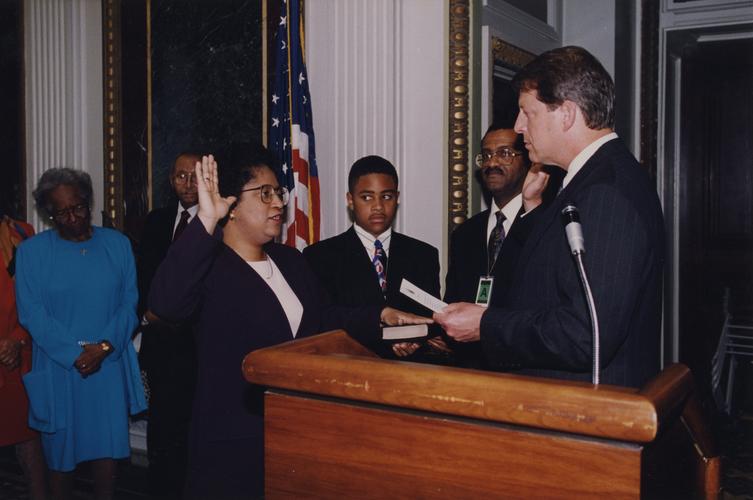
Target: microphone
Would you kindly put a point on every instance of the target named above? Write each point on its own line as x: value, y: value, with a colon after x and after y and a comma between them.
x: 574, y: 232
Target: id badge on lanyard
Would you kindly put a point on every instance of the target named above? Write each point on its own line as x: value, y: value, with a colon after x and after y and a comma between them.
x: 484, y: 290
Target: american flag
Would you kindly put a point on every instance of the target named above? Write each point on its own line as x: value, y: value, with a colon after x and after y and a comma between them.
x: 291, y: 131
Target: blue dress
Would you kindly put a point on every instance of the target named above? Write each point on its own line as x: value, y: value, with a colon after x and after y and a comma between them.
x: 68, y: 293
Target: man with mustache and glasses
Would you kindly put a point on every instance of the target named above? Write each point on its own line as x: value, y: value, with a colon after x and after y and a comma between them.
x: 484, y: 249
x: 167, y: 351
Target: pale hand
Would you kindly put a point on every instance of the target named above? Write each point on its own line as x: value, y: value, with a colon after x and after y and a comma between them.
x: 394, y: 317
x: 461, y: 321
x: 534, y: 186
x: 212, y: 206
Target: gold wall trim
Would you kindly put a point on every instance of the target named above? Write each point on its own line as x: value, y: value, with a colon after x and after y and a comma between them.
x: 264, y: 75
x: 458, y: 107
x: 112, y: 213
x: 510, y: 54
x: 149, y: 149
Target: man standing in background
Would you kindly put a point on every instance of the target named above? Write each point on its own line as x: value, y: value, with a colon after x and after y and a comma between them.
x: 167, y: 351
x: 484, y: 250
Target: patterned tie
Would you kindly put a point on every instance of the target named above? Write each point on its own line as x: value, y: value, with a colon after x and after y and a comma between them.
x: 182, y: 223
x: 496, y: 239
x: 380, y: 265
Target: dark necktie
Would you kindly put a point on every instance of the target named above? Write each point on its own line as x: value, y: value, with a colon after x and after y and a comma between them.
x: 182, y: 223
x: 496, y: 239
x: 380, y: 265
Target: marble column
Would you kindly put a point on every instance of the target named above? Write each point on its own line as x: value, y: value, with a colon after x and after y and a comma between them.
x: 63, y: 70
x: 378, y: 76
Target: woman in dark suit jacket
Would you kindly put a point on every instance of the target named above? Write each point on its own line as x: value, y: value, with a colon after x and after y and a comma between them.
x: 245, y: 292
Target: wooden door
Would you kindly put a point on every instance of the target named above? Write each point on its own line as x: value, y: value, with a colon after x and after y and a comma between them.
x: 715, y: 193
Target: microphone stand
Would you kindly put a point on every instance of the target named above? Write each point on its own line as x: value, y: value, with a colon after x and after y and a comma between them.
x: 577, y: 248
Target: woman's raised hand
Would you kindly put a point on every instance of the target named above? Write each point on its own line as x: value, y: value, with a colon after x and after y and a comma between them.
x: 212, y: 206
x: 534, y: 186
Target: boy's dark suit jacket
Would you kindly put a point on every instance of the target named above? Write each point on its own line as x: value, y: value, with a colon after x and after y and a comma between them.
x: 544, y: 327
x: 349, y: 277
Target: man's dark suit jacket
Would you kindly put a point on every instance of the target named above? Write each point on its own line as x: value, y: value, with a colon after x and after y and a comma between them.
x: 544, y: 326
x: 168, y: 354
x: 159, y: 341
x: 348, y: 275
x: 155, y: 240
x: 469, y: 249
x: 469, y: 254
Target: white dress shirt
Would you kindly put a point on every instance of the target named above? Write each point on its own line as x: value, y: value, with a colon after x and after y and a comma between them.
x: 367, y: 239
x: 191, y: 214
x: 584, y: 156
x: 289, y: 301
x: 510, y: 211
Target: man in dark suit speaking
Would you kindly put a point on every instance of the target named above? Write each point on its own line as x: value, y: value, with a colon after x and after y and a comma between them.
x: 168, y: 353
x: 566, y: 101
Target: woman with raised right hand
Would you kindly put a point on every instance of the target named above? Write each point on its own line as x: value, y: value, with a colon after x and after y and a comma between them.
x: 245, y: 292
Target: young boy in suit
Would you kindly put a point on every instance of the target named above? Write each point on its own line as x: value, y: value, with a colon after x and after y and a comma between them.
x: 366, y: 264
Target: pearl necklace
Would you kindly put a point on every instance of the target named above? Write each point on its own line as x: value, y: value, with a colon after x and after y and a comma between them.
x: 271, y: 269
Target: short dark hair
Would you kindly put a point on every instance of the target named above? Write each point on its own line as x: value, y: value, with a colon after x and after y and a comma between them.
x: 240, y: 163
x: 519, y: 145
x: 370, y: 165
x: 190, y: 154
x: 574, y: 74
x: 62, y: 176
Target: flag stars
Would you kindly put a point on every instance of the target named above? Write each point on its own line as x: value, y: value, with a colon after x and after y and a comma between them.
x: 284, y: 168
x: 275, y: 98
x: 275, y: 122
x: 284, y: 45
x: 283, y: 20
x: 300, y: 78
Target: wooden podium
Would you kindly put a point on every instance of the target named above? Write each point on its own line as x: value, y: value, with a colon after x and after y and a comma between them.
x: 343, y: 423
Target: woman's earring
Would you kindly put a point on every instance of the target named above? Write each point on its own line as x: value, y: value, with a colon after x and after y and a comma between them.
x: 232, y: 215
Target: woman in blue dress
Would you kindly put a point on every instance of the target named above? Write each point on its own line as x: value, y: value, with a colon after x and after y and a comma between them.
x: 76, y: 294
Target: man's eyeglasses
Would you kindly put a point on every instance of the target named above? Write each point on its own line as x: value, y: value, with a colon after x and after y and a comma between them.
x: 79, y: 211
x: 506, y: 155
x: 185, y: 177
x: 267, y: 191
